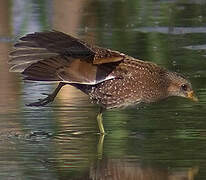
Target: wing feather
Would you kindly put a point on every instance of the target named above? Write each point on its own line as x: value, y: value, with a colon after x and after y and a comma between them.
x: 55, y: 56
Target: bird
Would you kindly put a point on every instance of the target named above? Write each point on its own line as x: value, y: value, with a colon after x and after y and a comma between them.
x: 110, y: 78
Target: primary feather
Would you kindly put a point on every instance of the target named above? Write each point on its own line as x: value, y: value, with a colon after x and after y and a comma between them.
x: 55, y: 56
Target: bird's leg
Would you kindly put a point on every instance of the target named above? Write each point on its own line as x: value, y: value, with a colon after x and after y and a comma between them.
x: 49, y: 98
x: 100, y: 146
x: 99, y: 121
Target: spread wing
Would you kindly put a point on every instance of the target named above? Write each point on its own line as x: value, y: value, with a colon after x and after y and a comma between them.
x: 55, y: 56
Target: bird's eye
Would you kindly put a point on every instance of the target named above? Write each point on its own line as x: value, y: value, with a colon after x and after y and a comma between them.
x: 184, y: 87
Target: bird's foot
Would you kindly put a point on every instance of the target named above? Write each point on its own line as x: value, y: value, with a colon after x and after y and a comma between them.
x: 43, y: 102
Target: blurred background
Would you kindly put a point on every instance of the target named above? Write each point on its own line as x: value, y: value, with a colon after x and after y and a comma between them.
x: 166, y: 140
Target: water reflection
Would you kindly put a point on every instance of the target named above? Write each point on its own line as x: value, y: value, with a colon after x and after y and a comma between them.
x: 161, y: 141
x: 124, y: 169
x: 79, y: 154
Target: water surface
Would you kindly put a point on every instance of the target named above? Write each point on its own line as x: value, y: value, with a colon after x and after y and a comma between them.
x: 165, y: 140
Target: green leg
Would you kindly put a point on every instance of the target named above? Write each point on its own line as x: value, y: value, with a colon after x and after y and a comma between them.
x: 100, y: 146
x: 99, y: 121
x: 102, y: 134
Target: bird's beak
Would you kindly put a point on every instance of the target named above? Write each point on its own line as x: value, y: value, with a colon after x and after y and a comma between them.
x: 191, y: 95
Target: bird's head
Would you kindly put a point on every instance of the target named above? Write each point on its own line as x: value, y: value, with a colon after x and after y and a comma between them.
x: 180, y: 86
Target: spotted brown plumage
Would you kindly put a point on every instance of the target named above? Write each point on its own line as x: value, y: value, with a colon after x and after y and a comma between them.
x: 110, y: 78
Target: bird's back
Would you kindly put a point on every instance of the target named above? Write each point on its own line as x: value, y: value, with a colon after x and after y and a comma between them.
x: 135, y: 81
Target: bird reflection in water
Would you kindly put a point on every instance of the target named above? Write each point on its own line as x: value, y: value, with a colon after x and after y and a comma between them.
x: 124, y: 169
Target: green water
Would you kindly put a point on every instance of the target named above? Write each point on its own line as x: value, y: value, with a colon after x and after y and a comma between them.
x: 162, y: 141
